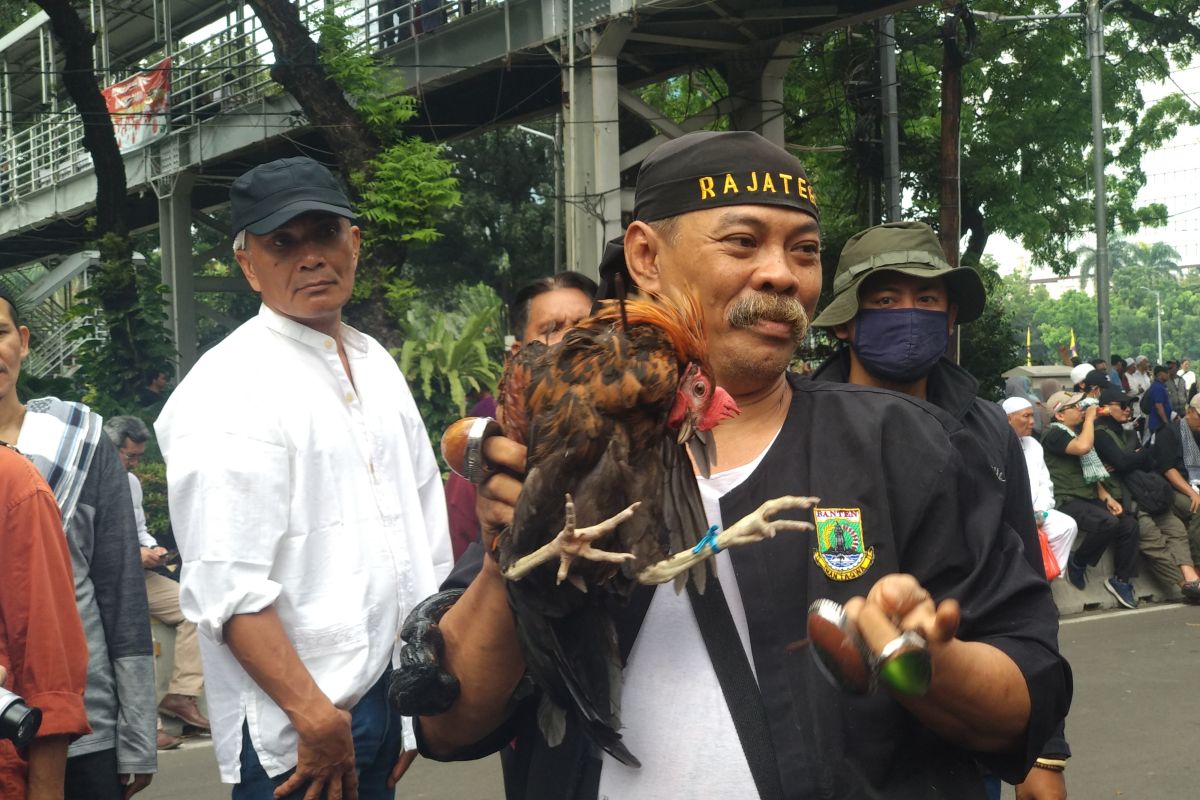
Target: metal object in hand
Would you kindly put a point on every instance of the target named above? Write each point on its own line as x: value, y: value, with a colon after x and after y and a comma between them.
x: 475, y: 467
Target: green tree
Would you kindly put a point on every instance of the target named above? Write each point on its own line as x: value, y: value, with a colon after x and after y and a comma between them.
x: 989, y: 346
x: 1026, y: 134
x: 503, y: 231
x: 1120, y: 253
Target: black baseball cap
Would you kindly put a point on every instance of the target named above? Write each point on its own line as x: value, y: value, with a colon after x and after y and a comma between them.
x: 270, y: 195
x: 1113, y: 394
x: 710, y: 169
x: 1096, y: 377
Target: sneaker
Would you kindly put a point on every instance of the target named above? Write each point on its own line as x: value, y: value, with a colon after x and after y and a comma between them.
x: 1122, y: 590
x: 1076, y: 573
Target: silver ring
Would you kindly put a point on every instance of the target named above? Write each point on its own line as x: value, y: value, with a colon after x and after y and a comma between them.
x: 909, y: 640
x: 475, y: 467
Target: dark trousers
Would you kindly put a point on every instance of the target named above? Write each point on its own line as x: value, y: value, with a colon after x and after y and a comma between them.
x: 1098, y: 529
x: 93, y: 777
x: 375, y: 725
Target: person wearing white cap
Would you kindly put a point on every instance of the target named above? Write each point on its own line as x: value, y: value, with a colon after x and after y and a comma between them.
x: 1078, y: 373
x: 1059, y: 528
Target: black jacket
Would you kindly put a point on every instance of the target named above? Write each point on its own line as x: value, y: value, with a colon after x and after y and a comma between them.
x: 912, y: 473
x: 955, y: 391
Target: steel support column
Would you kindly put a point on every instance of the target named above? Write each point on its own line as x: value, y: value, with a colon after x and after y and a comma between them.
x: 175, y: 240
x: 594, y: 152
x: 758, y: 85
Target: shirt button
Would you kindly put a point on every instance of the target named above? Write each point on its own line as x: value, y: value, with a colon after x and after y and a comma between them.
x: 329, y: 344
x: 349, y: 397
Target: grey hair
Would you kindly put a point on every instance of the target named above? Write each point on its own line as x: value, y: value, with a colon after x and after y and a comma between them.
x: 121, y: 428
x: 239, y: 241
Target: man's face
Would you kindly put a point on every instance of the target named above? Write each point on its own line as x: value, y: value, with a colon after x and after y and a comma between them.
x: 1172, y: 369
x: 749, y: 266
x: 160, y: 382
x: 1022, y: 422
x: 304, y: 270
x: 887, y: 289
x: 1193, y: 419
x: 1102, y: 365
x: 131, y: 453
x: 552, y: 313
x: 1119, y: 366
x: 14, y: 346
x: 1161, y: 377
x: 1119, y: 411
x: 1071, y: 417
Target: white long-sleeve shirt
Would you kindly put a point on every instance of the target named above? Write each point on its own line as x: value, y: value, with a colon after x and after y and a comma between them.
x: 292, y: 487
x: 139, y: 514
x: 1039, y: 474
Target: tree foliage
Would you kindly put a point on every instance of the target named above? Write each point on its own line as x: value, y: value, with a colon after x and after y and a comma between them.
x: 502, y: 233
x: 1134, y: 313
x: 1026, y: 121
x: 450, y: 354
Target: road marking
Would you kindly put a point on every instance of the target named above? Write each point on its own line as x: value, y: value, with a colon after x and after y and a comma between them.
x: 1129, y: 612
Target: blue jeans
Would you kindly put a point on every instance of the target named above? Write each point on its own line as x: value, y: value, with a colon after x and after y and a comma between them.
x: 375, y: 725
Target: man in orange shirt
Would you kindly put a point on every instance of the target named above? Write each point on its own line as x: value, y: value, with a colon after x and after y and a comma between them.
x: 43, y: 653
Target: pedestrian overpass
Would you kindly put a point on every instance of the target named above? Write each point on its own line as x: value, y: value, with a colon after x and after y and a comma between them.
x: 473, y: 64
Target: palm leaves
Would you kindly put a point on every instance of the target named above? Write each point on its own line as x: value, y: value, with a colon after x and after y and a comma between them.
x: 1158, y: 257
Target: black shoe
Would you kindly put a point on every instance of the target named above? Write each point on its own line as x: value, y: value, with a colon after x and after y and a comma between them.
x: 1191, y: 592
x: 1076, y: 573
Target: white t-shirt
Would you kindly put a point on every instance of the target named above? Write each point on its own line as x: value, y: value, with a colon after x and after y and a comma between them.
x: 674, y: 715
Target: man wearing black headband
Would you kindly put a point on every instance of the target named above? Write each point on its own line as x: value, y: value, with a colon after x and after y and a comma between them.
x: 733, y: 219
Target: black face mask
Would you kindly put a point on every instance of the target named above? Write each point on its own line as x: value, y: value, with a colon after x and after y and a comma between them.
x: 900, y: 345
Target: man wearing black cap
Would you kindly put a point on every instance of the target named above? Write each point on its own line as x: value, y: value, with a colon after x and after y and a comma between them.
x: 307, y: 505
x: 1163, y: 539
x: 732, y: 219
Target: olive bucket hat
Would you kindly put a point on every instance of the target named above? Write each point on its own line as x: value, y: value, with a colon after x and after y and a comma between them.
x: 911, y: 248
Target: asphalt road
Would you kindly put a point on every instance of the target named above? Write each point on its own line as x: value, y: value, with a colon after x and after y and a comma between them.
x: 1134, y: 724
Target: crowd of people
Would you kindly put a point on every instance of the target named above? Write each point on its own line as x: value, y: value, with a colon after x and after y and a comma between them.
x: 1108, y: 461
x: 311, y: 520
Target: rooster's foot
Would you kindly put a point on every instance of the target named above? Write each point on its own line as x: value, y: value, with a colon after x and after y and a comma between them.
x: 572, y: 543
x: 754, y: 527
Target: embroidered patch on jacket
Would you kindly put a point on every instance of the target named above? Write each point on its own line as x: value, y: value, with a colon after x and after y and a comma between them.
x: 840, y: 552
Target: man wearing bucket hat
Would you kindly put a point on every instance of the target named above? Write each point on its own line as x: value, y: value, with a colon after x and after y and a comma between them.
x: 307, y: 505
x: 732, y: 219
x: 896, y: 301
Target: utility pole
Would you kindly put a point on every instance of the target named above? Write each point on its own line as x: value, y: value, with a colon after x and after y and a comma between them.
x: 949, y: 213
x: 891, y: 118
x: 1158, y: 305
x: 1094, y: 19
x: 1095, y: 29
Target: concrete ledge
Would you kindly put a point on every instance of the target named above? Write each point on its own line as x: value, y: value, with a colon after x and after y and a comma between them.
x: 1094, y: 596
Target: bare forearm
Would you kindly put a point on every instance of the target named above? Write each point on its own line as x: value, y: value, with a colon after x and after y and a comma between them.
x: 1177, y: 481
x: 481, y: 650
x: 47, y: 767
x: 261, y: 646
x: 978, y: 698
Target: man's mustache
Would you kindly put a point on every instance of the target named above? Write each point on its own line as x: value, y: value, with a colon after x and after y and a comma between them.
x: 747, y: 311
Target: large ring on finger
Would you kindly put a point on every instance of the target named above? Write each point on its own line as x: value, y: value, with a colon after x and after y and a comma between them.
x: 475, y: 468
x: 904, y: 665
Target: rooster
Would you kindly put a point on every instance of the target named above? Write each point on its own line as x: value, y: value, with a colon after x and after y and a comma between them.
x: 606, y: 416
